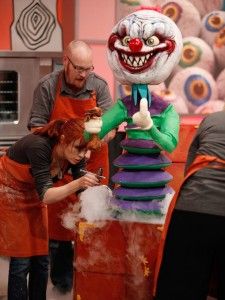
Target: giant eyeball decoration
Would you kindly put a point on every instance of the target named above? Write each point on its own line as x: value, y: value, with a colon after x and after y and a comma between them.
x: 206, y: 6
x: 220, y: 82
x: 219, y: 48
x: 210, y: 107
x: 144, y: 47
x: 157, y: 88
x: 196, y: 53
x: 178, y: 102
x: 212, y: 23
x: 195, y: 85
x: 184, y: 14
x: 150, y: 3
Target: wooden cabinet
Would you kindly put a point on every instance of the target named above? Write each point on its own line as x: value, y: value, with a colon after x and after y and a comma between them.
x: 115, y: 261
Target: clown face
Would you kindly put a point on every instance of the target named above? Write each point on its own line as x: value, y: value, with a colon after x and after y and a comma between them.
x: 144, y: 47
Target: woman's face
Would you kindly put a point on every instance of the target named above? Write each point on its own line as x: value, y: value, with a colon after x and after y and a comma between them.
x: 74, y: 154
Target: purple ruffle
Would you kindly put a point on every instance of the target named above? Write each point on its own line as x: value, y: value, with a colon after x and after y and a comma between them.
x: 137, y: 205
x: 122, y: 192
x: 142, y: 176
x: 147, y: 144
x: 129, y: 160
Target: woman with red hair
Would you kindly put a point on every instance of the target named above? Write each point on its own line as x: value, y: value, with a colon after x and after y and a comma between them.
x: 27, y: 174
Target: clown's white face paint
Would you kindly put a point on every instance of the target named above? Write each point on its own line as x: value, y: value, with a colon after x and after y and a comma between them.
x: 144, y: 47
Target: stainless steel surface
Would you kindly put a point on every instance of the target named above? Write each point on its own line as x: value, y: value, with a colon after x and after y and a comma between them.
x: 29, y: 67
x: 28, y: 76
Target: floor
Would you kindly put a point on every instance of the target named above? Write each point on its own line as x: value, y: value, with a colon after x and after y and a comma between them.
x: 52, y: 294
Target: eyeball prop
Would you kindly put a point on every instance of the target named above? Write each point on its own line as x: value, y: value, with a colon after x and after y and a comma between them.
x: 178, y: 102
x: 206, y: 6
x: 196, y: 53
x: 144, y: 47
x: 220, y: 82
x: 195, y: 85
x: 210, y: 107
x: 219, y: 48
x: 156, y: 89
x: 212, y: 23
x: 150, y: 2
x: 183, y: 13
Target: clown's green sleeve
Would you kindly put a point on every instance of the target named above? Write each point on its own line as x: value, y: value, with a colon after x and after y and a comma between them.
x: 164, y: 131
x: 111, y: 119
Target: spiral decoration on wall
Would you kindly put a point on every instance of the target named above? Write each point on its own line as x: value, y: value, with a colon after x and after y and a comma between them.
x: 35, y: 25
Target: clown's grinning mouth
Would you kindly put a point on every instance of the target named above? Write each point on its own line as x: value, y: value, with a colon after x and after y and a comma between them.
x: 136, y: 61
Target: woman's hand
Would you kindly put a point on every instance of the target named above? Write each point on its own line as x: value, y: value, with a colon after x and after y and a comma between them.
x: 88, y: 180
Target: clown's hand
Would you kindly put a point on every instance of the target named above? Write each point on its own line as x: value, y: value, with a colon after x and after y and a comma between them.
x: 142, y: 118
x: 93, y: 125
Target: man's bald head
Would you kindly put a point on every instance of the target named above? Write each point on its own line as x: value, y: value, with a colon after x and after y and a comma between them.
x: 80, y: 53
x: 78, y: 63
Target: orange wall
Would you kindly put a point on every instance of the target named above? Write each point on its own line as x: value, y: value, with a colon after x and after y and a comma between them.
x: 88, y: 20
x: 6, y: 18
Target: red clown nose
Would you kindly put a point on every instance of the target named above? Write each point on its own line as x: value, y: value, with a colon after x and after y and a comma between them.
x: 135, y: 45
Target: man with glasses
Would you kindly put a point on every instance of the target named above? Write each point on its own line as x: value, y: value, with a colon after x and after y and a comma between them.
x: 69, y: 93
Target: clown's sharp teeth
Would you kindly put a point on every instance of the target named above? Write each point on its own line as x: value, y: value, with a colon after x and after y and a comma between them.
x: 147, y: 56
x: 135, y: 64
x: 129, y: 63
x: 131, y: 58
x: 125, y: 56
x: 142, y: 59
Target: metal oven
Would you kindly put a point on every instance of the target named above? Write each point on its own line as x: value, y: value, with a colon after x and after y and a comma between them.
x: 19, y: 75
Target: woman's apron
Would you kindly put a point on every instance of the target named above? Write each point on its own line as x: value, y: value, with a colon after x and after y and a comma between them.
x: 65, y: 108
x: 23, y: 216
x: 200, y: 162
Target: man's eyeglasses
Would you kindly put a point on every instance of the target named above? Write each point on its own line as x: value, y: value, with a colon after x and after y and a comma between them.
x: 79, y: 69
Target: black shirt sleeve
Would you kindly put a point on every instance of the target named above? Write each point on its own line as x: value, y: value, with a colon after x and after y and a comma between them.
x: 37, y: 152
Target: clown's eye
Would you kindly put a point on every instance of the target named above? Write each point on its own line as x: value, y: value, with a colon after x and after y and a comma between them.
x: 172, y: 10
x: 126, y: 40
x: 191, y: 54
x: 197, y: 90
x: 214, y: 22
x: 152, y: 41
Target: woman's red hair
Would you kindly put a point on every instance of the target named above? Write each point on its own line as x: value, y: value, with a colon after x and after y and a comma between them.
x: 72, y: 129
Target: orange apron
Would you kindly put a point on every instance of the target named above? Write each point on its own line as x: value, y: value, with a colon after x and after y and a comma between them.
x: 23, y: 217
x: 200, y: 162
x: 65, y: 108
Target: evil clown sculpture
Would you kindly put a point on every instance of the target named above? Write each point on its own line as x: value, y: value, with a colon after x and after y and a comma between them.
x: 143, y: 49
